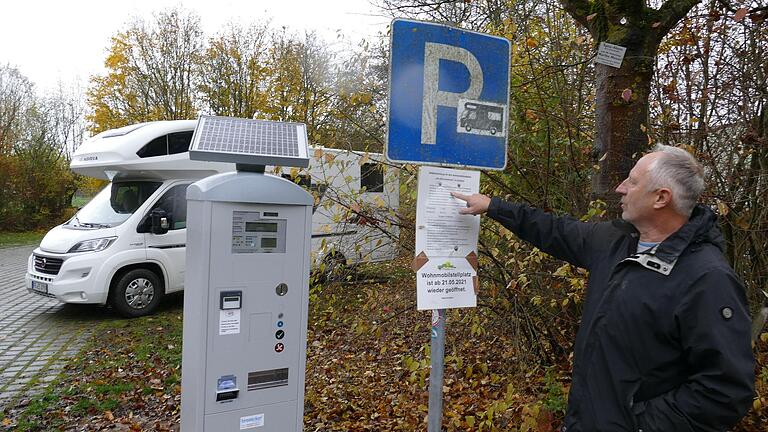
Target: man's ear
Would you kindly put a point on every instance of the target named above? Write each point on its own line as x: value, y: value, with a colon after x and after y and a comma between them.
x: 663, y: 198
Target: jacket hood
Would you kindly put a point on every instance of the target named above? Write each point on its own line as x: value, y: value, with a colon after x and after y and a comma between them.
x: 702, y: 227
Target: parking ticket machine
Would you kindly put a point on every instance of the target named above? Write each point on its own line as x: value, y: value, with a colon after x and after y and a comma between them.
x: 246, y: 283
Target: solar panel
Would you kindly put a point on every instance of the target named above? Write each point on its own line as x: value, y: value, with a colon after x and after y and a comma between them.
x: 250, y: 142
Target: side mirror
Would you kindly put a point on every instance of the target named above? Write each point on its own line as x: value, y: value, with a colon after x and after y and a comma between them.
x: 160, y: 223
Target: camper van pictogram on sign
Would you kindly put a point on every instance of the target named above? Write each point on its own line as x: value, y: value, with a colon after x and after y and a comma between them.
x: 480, y: 118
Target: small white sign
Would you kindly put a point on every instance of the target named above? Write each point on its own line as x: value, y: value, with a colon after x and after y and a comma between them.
x: 445, y: 283
x: 610, y: 54
x: 251, y: 422
x: 229, y: 322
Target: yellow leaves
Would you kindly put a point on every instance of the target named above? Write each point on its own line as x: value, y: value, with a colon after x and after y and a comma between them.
x: 361, y: 98
x: 758, y: 404
x: 531, y: 115
x: 531, y: 42
x: 764, y: 337
x: 722, y: 208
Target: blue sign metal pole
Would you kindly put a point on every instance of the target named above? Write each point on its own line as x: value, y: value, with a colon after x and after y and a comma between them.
x: 437, y: 360
x: 448, y: 106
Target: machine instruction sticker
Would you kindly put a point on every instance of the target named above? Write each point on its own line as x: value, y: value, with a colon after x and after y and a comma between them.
x: 251, y: 422
x: 229, y: 322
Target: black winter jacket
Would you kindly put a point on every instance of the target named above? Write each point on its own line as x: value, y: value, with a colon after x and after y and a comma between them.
x: 664, y: 339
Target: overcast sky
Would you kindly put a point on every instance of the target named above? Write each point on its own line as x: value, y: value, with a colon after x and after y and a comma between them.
x: 67, y: 40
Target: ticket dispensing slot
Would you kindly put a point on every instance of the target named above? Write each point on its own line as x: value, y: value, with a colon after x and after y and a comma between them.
x: 226, y: 388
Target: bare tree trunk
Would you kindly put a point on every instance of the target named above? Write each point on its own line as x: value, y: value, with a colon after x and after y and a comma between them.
x: 620, y: 135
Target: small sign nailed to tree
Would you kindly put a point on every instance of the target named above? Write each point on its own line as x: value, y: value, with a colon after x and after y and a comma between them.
x: 610, y: 54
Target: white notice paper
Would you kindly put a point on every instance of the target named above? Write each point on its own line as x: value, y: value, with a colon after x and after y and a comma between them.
x: 610, y: 54
x: 229, y: 321
x: 445, y: 283
x: 440, y: 230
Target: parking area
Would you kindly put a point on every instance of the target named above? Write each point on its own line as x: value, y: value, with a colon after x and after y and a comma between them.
x: 38, y: 335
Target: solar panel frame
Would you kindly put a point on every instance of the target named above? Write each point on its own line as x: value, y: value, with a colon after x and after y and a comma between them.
x: 250, y: 142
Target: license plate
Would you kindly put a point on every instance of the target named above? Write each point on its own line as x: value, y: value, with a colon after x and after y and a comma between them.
x: 40, y: 287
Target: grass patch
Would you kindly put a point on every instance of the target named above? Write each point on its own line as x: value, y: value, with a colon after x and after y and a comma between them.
x: 129, y: 366
x: 20, y: 238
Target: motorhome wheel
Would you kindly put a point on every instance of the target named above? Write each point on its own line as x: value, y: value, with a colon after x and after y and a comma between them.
x: 137, y: 293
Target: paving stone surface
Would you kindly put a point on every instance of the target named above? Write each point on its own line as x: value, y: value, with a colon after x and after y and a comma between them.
x: 38, y: 335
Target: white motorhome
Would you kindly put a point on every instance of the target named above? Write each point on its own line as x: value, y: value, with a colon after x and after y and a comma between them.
x: 126, y: 247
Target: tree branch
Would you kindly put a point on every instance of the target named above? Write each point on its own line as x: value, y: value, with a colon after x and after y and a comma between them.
x: 670, y: 13
x: 579, y: 10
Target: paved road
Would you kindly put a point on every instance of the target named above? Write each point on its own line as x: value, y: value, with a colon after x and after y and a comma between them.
x: 38, y: 335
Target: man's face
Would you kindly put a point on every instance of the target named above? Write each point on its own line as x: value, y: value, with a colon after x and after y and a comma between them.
x: 637, y: 201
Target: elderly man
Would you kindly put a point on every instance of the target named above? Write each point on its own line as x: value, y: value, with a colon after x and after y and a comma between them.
x: 664, y: 340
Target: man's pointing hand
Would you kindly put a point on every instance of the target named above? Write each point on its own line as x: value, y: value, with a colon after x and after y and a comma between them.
x: 476, y: 203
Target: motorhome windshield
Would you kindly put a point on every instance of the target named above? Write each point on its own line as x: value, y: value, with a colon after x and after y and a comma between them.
x: 114, y: 205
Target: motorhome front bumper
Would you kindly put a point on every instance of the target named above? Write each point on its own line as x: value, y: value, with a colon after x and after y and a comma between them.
x: 66, y: 278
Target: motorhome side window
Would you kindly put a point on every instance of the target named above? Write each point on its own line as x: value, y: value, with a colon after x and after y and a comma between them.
x: 173, y: 143
x: 174, y: 203
x: 372, y: 177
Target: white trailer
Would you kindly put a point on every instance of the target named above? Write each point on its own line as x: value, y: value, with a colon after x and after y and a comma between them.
x: 126, y: 247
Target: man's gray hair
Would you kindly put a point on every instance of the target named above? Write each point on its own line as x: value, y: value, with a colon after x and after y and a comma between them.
x: 677, y: 170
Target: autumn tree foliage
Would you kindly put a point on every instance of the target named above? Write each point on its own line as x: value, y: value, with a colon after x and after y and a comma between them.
x: 168, y: 69
x: 233, y: 71
x: 150, y: 72
x: 37, y: 135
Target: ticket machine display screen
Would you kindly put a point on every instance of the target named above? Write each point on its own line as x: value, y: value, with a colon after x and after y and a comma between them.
x: 261, y: 227
x: 251, y: 233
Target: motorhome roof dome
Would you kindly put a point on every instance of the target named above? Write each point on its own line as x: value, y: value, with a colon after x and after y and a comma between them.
x: 158, y: 149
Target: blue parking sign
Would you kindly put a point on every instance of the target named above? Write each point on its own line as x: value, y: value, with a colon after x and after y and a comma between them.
x: 448, y: 96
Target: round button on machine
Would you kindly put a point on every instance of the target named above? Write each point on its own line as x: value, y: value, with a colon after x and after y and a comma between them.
x: 279, y: 347
x: 280, y: 324
x: 280, y: 334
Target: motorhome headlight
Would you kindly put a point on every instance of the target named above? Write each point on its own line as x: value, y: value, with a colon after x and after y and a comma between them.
x: 94, y: 245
